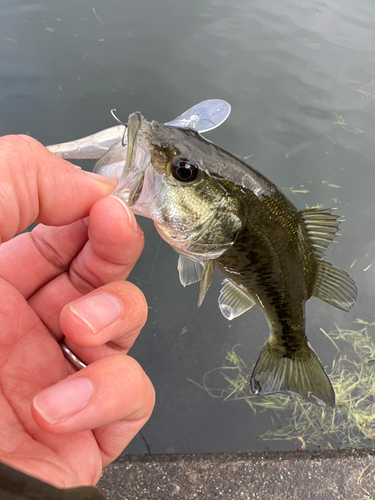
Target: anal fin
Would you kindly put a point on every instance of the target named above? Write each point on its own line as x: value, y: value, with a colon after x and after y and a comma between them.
x: 233, y: 301
x: 301, y: 373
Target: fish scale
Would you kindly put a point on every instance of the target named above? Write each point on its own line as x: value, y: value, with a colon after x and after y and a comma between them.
x: 217, y: 211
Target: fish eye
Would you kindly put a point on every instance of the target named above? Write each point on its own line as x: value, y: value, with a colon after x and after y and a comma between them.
x: 183, y: 171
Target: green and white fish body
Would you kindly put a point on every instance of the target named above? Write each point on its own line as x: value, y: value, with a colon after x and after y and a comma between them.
x: 219, y: 213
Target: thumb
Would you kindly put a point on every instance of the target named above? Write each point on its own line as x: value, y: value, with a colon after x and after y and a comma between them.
x: 37, y: 186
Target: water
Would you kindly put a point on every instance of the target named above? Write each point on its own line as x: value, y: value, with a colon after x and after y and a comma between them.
x: 300, y: 78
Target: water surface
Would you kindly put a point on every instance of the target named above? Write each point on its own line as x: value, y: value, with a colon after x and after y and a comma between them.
x: 300, y: 78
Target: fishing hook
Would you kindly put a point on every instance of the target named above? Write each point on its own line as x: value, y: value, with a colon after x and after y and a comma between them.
x: 121, y: 123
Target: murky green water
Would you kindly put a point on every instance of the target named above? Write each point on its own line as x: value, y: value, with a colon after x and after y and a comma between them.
x: 301, y: 80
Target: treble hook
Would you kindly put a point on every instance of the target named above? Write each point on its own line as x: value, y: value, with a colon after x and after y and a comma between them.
x: 121, y: 123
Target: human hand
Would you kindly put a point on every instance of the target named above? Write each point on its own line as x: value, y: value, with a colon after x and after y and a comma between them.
x: 57, y: 424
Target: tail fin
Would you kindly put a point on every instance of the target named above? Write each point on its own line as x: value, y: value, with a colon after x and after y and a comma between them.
x: 301, y: 374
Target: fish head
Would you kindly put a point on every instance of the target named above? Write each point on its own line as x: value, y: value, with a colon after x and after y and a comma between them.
x: 170, y: 175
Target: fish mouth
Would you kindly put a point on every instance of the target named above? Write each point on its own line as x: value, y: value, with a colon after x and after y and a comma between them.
x: 128, y: 160
x: 132, y: 184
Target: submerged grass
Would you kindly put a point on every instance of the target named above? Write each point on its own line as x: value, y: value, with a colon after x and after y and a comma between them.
x: 351, y: 423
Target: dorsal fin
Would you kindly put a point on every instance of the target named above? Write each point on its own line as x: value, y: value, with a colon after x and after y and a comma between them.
x: 321, y: 226
x: 334, y: 286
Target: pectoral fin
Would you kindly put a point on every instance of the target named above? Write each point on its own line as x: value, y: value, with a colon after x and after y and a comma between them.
x: 189, y: 271
x: 208, y: 272
x: 233, y: 301
x: 217, y: 233
x: 301, y: 374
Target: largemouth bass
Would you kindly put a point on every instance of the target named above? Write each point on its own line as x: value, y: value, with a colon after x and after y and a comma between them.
x: 218, y: 212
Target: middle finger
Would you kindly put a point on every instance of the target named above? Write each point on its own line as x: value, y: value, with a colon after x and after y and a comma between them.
x: 113, y: 313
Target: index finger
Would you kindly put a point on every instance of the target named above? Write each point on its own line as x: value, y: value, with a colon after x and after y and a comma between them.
x: 37, y: 186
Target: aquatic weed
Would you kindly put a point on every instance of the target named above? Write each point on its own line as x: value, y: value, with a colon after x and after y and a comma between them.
x: 351, y: 423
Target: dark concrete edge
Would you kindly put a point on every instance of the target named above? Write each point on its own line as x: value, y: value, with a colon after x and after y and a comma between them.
x: 247, y: 456
x: 312, y: 475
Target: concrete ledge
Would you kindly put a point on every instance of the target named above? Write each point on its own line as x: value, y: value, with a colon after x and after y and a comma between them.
x: 318, y: 475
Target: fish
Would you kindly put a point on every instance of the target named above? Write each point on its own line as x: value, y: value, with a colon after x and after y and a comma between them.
x: 219, y: 213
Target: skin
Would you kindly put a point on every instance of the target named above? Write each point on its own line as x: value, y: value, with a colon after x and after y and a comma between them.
x: 51, y: 282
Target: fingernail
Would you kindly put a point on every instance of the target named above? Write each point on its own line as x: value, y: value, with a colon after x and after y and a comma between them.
x: 64, y: 400
x: 101, y: 178
x: 97, y: 311
x: 132, y: 220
